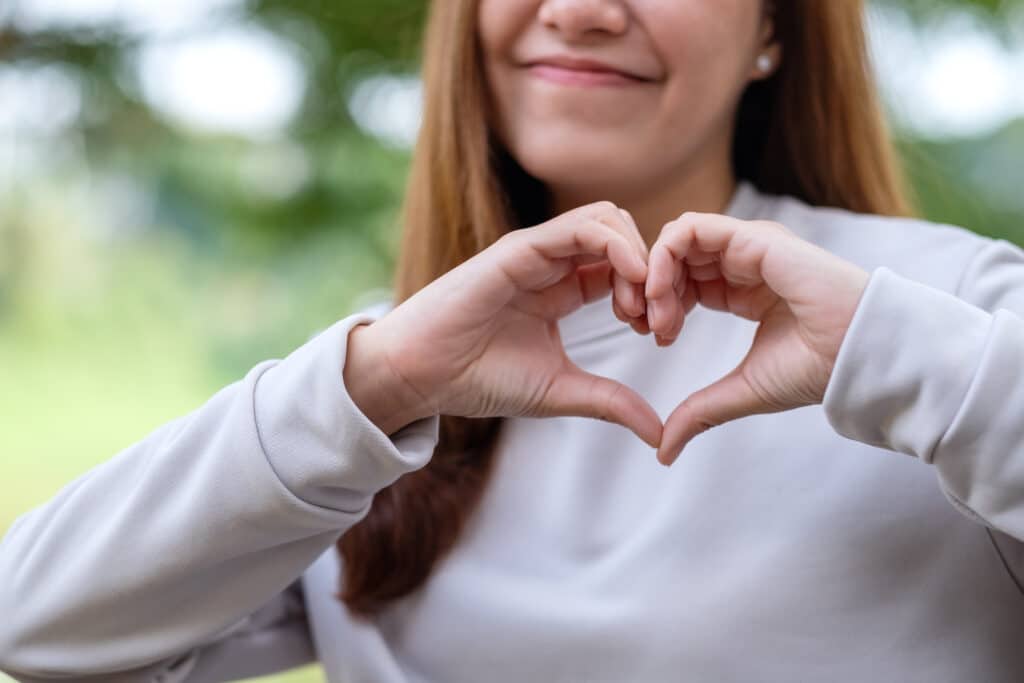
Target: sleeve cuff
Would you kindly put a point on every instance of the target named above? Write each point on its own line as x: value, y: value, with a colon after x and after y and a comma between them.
x: 905, y: 365
x: 321, y: 445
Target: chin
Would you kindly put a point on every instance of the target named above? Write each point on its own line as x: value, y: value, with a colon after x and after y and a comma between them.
x: 600, y: 171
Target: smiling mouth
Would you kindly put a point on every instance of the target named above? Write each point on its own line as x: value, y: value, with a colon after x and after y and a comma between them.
x: 583, y: 77
x: 582, y: 73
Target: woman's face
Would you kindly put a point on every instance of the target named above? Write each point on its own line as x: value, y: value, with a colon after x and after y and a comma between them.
x: 610, y: 96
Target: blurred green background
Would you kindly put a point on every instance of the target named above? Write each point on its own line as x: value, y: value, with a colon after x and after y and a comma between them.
x: 188, y: 189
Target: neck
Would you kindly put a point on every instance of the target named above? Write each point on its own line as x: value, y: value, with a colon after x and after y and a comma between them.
x: 704, y: 187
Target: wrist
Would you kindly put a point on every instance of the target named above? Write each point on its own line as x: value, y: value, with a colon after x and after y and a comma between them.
x: 374, y: 385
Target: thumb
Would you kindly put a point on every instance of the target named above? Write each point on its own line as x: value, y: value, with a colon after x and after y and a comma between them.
x: 730, y: 398
x: 581, y: 394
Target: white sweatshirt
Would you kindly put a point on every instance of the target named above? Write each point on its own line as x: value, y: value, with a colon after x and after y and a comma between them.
x: 788, y: 547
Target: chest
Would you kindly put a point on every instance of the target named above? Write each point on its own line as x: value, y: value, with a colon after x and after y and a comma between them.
x: 588, y: 559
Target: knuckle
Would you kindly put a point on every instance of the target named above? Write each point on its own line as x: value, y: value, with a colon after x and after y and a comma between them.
x: 514, y: 243
x: 601, y: 211
x: 674, y: 229
x: 772, y: 226
x: 612, y: 400
x: 598, y: 226
x: 674, y: 233
x: 698, y: 407
x: 511, y: 237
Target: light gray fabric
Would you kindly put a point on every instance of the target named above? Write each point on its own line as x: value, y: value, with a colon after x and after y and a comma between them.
x: 798, y: 546
x: 169, y: 553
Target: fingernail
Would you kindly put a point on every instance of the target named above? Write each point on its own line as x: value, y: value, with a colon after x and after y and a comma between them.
x: 634, y: 304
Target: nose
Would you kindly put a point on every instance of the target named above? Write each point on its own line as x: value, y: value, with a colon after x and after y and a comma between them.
x: 580, y: 19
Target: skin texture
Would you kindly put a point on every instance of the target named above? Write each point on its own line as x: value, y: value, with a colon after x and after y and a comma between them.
x: 636, y: 145
x: 668, y: 135
x: 803, y: 296
x: 483, y: 340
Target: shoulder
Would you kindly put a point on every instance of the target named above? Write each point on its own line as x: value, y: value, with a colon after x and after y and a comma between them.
x: 932, y: 253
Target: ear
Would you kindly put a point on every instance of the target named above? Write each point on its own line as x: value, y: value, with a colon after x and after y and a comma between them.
x: 769, y: 53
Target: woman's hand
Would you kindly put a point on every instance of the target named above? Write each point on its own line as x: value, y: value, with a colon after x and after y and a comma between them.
x: 803, y: 296
x: 483, y: 339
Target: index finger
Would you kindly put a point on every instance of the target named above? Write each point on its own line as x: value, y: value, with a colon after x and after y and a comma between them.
x: 591, y: 237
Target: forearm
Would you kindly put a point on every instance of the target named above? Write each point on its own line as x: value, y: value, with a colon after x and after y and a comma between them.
x: 193, y: 528
x: 931, y: 375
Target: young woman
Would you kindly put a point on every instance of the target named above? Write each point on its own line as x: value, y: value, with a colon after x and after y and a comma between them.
x: 592, y: 174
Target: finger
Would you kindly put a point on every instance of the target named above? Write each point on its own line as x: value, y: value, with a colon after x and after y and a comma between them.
x: 681, y: 310
x: 640, y: 325
x: 751, y: 303
x: 594, y: 281
x: 712, y: 294
x: 661, y: 318
x: 689, y: 295
x: 587, y: 236
x: 730, y: 398
x: 581, y: 285
x: 741, y: 245
x: 662, y: 303
x: 704, y: 272
x: 587, y: 259
x: 696, y: 257
x: 634, y: 231
x: 620, y: 221
x: 581, y: 394
x: 619, y: 313
x: 662, y: 266
x: 626, y: 295
x: 677, y: 322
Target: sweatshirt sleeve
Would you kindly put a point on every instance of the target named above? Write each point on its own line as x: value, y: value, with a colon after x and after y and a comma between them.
x: 941, y: 377
x: 179, y: 559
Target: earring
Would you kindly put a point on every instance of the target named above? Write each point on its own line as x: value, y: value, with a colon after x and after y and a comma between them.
x: 764, y: 63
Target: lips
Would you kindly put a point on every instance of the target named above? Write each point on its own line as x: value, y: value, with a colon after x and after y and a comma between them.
x: 569, y: 70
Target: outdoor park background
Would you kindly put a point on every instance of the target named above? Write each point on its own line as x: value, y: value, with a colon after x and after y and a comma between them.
x: 189, y: 188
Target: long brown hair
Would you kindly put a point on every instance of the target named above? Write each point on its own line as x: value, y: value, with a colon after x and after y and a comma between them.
x: 814, y: 130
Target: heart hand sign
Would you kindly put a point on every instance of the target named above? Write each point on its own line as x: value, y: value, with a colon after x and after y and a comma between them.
x: 482, y: 340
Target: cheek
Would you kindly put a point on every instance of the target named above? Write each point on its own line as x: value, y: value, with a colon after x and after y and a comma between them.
x: 498, y: 24
x: 488, y: 23
x: 708, y: 45
x: 703, y: 45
